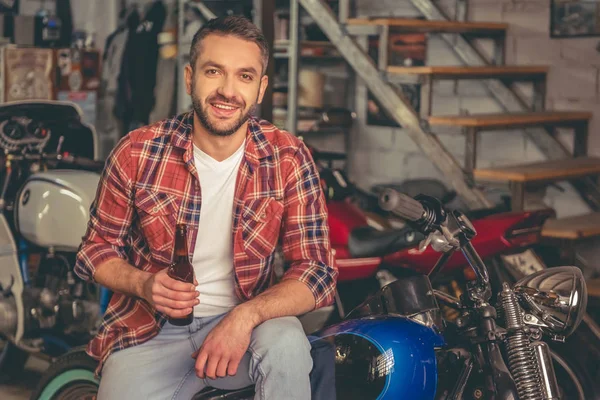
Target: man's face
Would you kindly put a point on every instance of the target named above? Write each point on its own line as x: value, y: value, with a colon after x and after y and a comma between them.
x: 226, y: 83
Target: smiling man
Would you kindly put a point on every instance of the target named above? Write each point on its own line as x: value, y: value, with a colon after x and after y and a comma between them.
x: 241, y: 186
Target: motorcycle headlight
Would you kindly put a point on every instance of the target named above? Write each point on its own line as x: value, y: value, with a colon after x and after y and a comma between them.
x: 557, y: 297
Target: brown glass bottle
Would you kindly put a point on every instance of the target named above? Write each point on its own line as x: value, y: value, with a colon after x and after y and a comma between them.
x: 181, y: 269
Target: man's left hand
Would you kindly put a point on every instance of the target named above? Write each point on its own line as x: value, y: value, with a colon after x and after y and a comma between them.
x: 224, y: 347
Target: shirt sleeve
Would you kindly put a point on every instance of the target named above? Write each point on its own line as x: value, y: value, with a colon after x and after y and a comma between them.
x: 306, y: 244
x: 110, y: 214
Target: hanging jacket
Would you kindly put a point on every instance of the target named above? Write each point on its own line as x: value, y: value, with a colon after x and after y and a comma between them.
x: 142, y: 59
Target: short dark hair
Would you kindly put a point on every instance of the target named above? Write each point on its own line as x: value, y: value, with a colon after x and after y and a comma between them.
x: 236, y: 25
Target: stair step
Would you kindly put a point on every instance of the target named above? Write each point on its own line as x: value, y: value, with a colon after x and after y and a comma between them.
x: 554, y: 170
x: 516, y: 120
x: 578, y: 227
x: 593, y: 287
x: 475, y: 72
x: 439, y: 26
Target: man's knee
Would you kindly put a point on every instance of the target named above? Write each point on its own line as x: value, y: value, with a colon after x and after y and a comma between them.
x: 283, y: 341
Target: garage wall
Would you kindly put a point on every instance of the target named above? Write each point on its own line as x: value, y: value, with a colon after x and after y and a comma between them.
x: 381, y: 154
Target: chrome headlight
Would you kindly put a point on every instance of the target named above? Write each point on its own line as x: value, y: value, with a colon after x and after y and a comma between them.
x: 557, y: 297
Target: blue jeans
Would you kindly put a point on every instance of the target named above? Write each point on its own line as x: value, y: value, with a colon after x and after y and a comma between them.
x: 278, y: 362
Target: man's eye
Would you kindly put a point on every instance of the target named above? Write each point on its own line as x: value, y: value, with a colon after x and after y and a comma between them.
x: 212, y: 71
x: 246, y: 77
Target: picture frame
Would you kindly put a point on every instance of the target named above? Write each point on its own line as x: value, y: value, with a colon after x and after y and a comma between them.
x: 574, y: 18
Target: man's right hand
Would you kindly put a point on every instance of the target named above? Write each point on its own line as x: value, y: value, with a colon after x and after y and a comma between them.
x: 172, y: 297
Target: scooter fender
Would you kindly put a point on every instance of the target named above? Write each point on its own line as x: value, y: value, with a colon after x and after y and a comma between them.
x: 379, y: 357
x: 11, y: 272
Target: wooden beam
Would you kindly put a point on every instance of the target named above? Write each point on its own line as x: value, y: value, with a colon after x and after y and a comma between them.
x: 554, y: 170
x: 434, y: 26
x: 516, y: 120
x: 573, y: 228
x: 513, y: 72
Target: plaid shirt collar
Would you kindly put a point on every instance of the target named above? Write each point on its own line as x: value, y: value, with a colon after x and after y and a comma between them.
x: 257, y: 145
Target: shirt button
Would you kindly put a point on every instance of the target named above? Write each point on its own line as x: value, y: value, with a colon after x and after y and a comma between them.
x: 155, y: 209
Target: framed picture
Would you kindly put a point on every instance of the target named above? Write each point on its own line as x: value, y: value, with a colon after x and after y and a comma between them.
x: 574, y: 18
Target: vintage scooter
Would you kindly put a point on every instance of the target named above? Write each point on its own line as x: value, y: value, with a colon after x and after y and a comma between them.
x: 45, y: 309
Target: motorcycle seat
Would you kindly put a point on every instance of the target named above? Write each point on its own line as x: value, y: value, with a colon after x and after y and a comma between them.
x: 367, y: 241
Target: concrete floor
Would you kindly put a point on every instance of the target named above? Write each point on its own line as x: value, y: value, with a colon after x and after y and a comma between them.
x: 22, y: 388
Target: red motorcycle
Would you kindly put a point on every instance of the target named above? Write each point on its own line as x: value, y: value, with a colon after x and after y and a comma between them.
x: 370, y: 252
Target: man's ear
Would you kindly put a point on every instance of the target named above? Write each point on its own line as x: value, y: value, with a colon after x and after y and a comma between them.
x: 264, y: 82
x: 189, y: 74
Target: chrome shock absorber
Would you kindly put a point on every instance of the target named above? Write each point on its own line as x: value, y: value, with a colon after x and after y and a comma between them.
x: 521, y: 356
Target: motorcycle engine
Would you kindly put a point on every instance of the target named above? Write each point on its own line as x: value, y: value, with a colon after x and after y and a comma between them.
x: 58, y: 301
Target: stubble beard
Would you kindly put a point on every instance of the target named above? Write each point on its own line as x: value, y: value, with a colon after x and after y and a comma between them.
x: 202, y: 113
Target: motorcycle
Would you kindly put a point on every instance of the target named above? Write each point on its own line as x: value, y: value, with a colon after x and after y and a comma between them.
x: 370, y: 255
x: 396, y: 343
x: 45, y: 309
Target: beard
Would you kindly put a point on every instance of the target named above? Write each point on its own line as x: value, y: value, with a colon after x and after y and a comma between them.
x: 202, y: 113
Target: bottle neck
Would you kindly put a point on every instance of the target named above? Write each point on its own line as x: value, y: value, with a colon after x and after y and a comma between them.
x: 181, y: 249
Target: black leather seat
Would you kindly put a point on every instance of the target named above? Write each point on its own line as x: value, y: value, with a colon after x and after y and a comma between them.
x: 369, y: 242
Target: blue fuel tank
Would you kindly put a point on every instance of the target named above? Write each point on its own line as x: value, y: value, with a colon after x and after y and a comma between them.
x: 379, y: 358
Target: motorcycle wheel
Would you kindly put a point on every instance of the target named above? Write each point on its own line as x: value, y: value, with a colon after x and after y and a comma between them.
x: 569, y: 385
x: 12, y: 359
x: 70, y: 377
x: 575, y: 364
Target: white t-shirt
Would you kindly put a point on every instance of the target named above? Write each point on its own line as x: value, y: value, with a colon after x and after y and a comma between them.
x: 213, y: 255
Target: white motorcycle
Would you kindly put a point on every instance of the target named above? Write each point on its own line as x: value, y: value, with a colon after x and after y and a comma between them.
x: 45, y: 309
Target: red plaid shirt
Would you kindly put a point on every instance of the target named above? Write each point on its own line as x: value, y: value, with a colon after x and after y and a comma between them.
x: 150, y: 184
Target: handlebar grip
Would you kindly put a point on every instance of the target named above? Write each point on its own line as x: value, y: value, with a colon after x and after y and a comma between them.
x: 401, y: 205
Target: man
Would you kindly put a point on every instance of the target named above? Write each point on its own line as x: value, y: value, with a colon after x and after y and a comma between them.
x: 241, y: 186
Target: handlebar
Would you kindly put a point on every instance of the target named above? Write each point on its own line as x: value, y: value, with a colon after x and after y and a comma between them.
x: 402, y: 205
x: 65, y: 158
x: 445, y: 234
x: 83, y: 162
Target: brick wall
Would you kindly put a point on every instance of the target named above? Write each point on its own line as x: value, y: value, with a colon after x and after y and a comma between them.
x: 380, y: 154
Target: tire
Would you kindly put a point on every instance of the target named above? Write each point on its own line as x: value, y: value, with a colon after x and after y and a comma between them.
x: 12, y: 360
x: 70, y: 377
x: 570, y: 385
x: 578, y: 357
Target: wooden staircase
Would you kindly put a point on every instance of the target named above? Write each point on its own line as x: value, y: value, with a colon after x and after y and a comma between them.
x: 378, y: 74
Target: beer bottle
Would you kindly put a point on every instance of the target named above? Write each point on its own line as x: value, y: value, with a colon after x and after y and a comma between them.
x: 181, y: 269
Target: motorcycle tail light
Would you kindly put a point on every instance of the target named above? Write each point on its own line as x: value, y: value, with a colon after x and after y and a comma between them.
x: 527, y: 231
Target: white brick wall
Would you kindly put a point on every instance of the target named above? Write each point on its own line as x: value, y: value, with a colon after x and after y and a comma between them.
x: 445, y: 105
x: 490, y: 11
x: 527, y: 18
x: 580, y: 51
x: 377, y: 139
x: 573, y: 82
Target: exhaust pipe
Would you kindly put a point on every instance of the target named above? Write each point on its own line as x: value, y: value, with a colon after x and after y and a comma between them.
x: 8, y: 316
